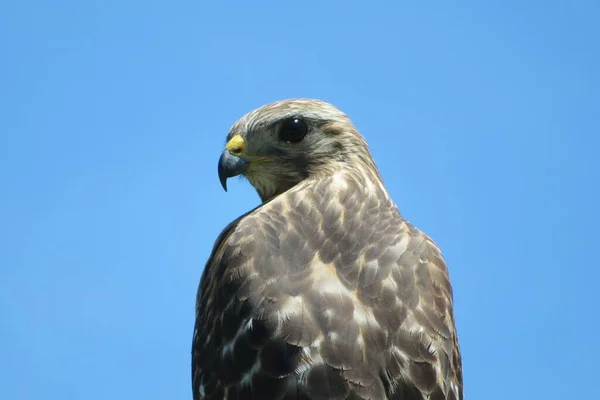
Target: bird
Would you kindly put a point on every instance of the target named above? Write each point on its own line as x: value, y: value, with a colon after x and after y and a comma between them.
x: 324, y: 290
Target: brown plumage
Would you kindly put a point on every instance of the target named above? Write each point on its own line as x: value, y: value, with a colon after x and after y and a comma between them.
x: 324, y: 291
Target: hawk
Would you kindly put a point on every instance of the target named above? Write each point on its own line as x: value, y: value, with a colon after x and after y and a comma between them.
x: 323, y: 291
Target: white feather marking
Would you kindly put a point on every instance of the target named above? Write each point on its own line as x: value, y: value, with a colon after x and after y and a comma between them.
x: 201, y: 389
x: 227, y: 348
x: 364, y: 316
x: 360, y: 341
x: 307, y: 352
x: 398, y: 248
x: 390, y: 283
x: 338, y: 182
x: 247, y: 377
x: 327, y: 283
x: 454, y: 388
x: 241, y: 330
x: 325, y: 278
x: 289, y: 308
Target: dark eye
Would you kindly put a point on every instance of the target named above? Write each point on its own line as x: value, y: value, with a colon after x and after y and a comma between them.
x: 293, y: 130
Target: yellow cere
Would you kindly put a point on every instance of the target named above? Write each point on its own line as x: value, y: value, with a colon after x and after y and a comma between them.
x: 236, y: 144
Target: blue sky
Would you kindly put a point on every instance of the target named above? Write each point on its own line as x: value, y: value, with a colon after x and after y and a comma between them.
x: 483, y: 117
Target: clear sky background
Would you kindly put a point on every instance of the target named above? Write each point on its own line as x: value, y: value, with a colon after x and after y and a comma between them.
x: 484, y: 118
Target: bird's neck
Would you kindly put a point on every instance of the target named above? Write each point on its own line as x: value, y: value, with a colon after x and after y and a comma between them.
x: 363, y: 181
x: 269, y: 192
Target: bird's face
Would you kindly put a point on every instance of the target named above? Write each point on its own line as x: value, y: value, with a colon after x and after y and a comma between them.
x: 280, y: 144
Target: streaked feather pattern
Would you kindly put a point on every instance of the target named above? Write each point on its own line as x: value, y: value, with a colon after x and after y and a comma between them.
x: 326, y: 292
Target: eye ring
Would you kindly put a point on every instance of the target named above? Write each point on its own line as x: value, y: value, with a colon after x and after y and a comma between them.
x: 293, y: 130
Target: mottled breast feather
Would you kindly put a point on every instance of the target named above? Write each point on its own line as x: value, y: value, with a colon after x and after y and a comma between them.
x: 325, y: 292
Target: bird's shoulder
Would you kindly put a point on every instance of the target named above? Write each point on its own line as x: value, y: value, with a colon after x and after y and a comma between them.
x: 334, y: 287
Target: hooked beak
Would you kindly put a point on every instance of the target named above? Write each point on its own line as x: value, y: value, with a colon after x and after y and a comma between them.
x: 231, y: 165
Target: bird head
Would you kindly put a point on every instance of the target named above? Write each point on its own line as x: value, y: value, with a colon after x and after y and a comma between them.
x: 281, y: 144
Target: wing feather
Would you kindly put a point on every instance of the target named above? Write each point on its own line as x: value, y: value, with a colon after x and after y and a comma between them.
x: 323, y: 294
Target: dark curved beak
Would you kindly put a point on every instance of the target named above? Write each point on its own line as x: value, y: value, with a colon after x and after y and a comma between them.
x: 230, y: 165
